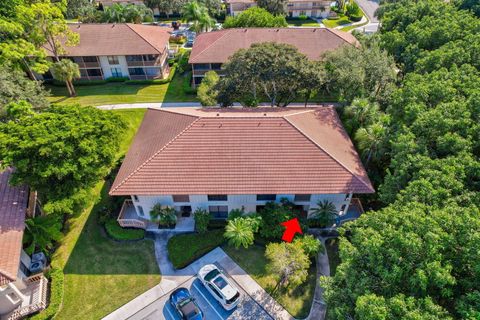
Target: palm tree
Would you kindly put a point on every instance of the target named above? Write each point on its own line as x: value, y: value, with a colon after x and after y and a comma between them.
x: 42, y: 232
x: 198, y: 14
x: 66, y: 70
x: 370, y: 140
x: 360, y: 113
x: 239, y: 232
x: 325, y: 213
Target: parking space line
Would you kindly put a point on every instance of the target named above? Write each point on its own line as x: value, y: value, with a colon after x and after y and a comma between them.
x: 211, y: 305
x: 166, y: 306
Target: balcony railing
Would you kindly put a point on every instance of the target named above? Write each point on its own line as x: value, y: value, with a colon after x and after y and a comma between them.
x: 37, y: 289
x: 128, y: 216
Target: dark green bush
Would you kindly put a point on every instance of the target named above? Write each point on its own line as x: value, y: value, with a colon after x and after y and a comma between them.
x: 183, y: 249
x: 217, y: 224
x: 117, y: 79
x: 356, y: 18
x: 56, y: 277
x: 202, y: 217
x: 115, y: 231
x: 187, y: 84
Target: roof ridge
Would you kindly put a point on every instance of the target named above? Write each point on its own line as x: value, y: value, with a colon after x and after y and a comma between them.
x: 156, y: 153
x: 328, y: 153
x: 334, y: 31
x: 226, y: 32
x: 138, y: 34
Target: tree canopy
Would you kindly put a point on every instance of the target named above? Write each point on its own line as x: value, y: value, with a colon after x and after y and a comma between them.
x: 255, y: 17
x: 276, y: 7
x: 61, y: 151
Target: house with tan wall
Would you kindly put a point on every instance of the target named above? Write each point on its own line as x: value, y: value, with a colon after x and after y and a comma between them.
x: 223, y: 159
x: 294, y: 8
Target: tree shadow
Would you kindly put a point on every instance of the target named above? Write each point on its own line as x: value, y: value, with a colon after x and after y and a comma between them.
x: 95, y: 254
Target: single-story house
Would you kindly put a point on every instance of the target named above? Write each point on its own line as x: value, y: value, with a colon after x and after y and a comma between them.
x: 295, y: 8
x: 119, y: 50
x: 212, y: 49
x: 20, y: 293
x: 220, y: 159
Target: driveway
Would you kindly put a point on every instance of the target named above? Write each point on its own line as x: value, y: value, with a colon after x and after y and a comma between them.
x: 256, y: 304
x: 369, y: 7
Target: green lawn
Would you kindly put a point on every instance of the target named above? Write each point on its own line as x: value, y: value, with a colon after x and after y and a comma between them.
x: 333, y: 257
x: 183, y: 249
x: 335, y: 23
x: 117, y: 92
x: 303, y: 23
x: 102, y: 275
x: 297, y: 301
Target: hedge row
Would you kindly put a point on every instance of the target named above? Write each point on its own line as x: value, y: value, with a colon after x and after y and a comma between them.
x: 56, y: 278
x: 155, y: 81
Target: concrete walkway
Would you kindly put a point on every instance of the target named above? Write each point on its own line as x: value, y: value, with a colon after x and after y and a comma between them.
x: 319, y: 307
x: 171, y: 278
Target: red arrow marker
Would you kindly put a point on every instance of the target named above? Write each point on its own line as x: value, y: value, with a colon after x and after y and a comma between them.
x: 292, y: 227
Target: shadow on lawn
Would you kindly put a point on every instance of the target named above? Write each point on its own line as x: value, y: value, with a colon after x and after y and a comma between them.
x: 95, y: 254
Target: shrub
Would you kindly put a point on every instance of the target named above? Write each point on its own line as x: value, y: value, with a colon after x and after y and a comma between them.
x: 356, y: 18
x: 56, y: 278
x: 236, y: 213
x: 310, y: 245
x: 183, y: 249
x: 187, y: 84
x: 240, y: 231
x: 182, y: 61
x: 178, y: 40
x: 117, y: 79
x: 353, y: 9
x: 115, y: 231
x: 202, y: 217
x: 217, y: 224
x: 302, y: 17
x: 165, y: 216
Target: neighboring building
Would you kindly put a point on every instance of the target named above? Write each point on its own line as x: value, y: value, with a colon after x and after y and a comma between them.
x: 20, y: 294
x: 212, y: 49
x: 224, y: 159
x: 295, y: 8
x: 128, y: 50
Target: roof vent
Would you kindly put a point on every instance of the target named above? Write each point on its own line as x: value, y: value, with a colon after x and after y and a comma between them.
x: 218, y: 114
x: 264, y: 114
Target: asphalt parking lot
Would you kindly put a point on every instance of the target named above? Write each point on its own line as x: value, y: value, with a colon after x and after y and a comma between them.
x: 246, y: 309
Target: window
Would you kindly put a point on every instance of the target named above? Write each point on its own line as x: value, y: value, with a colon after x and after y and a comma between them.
x: 218, y: 212
x: 216, y: 66
x: 149, y: 57
x: 181, y: 198
x: 302, y: 197
x: 152, y: 71
x: 197, y: 80
x: 94, y: 72
x: 215, y: 290
x: 90, y: 59
x: 136, y: 71
x: 112, y: 59
x: 301, y: 210
x: 116, y: 72
x: 140, y: 211
x: 266, y: 197
x: 134, y: 58
x: 135, y: 198
x: 217, y: 197
x: 83, y: 73
x: 201, y: 66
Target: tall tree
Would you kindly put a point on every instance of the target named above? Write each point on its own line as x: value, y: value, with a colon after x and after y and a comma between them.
x: 75, y: 7
x: 288, y: 262
x: 60, y: 152
x: 197, y: 13
x: 255, y: 17
x: 15, y: 87
x: 207, y: 92
x: 276, y: 7
x: 66, y: 70
x: 130, y: 13
x: 269, y: 70
x: 325, y: 213
x: 370, y: 141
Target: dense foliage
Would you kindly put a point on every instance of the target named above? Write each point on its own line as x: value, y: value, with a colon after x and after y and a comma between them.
x: 418, y: 257
x: 116, y: 13
x: 255, y: 17
x: 202, y: 217
x: 60, y: 152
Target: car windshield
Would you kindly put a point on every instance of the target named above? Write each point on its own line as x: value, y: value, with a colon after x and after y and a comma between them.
x: 234, y: 298
x: 212, y: 274
x: 220, y: 282
x: 188, y: 308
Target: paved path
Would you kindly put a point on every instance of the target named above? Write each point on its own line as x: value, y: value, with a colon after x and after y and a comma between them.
x: 172, y: 278
x: 319, y: 307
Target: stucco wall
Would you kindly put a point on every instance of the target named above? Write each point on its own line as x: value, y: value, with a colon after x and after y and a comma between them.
x: 106, y: 67
x: 248, y: 202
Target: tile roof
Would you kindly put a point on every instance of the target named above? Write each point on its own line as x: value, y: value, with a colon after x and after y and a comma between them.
x: 241, y: 151
x: 13, y: 205
x: 116, y: 39
x: 218, y: 46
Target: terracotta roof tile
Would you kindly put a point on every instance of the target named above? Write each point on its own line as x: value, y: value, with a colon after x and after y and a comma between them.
x: 13, y: 205
x: 117, y: 39
x: 241, y: 151
x: 218, y: 46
